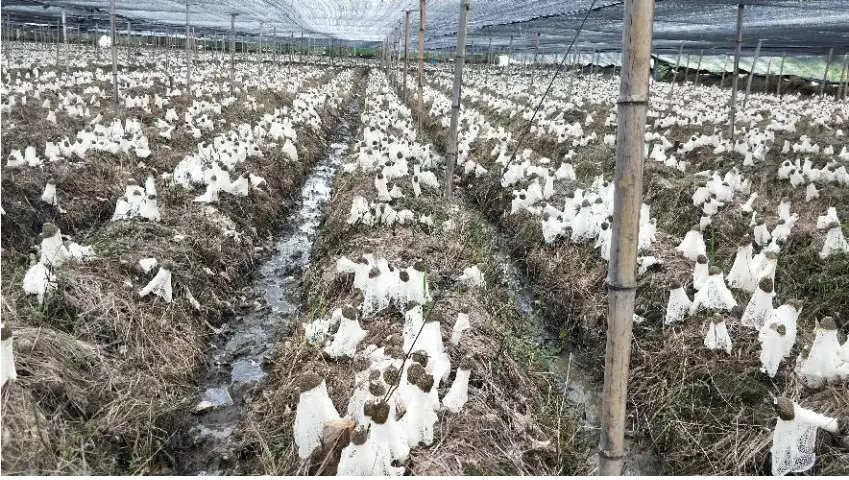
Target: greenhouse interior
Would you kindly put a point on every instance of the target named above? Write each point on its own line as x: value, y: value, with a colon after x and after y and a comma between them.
x: 425, y: 237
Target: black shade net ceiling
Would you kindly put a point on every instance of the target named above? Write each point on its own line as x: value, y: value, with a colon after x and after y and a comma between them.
x: 802, y: 27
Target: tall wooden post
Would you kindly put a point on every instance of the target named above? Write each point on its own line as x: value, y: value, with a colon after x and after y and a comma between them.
x: 188, y: 55
x: 129, y: 43
x: 768, y: 70
x: 58, y: 30
x: 488, y: 66
x: 780, y: 76
x: 735, y: 79
x: 406, y: 49
x: 114, y: 34
x: 825, y: 73
x: 752, y: 73
x: 96, y: 41
x: 534, y: 67
x: 64, y: 37
x: 699, y: 67
x: 421, y: 62
x: 675, y: 72
x: 592, y: 62
x: 260, y: 53
x: 627, y: 200
x: 509, y: 62
x: 840, y: 87
x: 232, y: 48
x: 459, y: 59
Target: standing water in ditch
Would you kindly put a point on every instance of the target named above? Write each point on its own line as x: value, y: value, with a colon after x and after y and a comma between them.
x: 582, y: 393
x: 236, y: 369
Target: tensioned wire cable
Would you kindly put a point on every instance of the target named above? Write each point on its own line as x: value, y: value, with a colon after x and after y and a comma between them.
x: 551, y: 83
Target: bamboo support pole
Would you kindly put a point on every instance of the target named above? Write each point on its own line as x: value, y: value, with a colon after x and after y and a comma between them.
x: 509, y: 62
x: 114, y: 34
x: 534, y: 67
x: 65, y: 38
x: 406, y: 50
x: 459, y: 59
x: 840, y: 87
x: 825, y: 73
x: 780, y: 76
x: 735, y: 79
x: 752, y: 73
x: 188, y: 55
x: 632, y: 107
x: 420, y: 79
x: 768, y: 71
x: 232, y: 48
x: 129, y: 43
x: 699, y: 67
x: 675, y: 72
x: 56, y: 42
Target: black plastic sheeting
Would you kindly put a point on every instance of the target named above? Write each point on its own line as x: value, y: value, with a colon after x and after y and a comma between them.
x: 785, y: 26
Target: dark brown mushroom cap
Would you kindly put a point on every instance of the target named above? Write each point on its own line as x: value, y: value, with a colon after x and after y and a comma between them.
x: 585, y: 203
x: 152, y: 196
x: 361, y: 364
x: 308, y: 381
x: 702, y: 259
x: 359, y: 436
x: 377, y: 410
x: 137, y: 193
x: 376, y: 388
x: 604, y: 226
x: 736, y: 311
x: 674, y: 284
x: 781, y: 221
x: 760, y: 221
x: 420, y: 266
x: 696, y: 228
x: 466, y: 362
x: 374, y: 272
x: 598, y: 200
x: 570, y: 194
x: 425, y: 382
x: 828, y: 323
x: 167, y: 265
x: 771, y: 255
x: 832, y: 224
x: 51, y: 181
x: 414, y: 372
x: 714, y: 271
x: 49, y: 230
x: 391, y: 375
x: 745, y: 241
x: 349, y: 312
x: 795, y: 303
x: 717, y: 318
x: 421, y: 357
x: 132, y: 182
x: 780, y: 328
x: 784, y: 408
x: 6, y: 332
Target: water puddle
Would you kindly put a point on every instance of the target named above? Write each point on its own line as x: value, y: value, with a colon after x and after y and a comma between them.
x: 236, y: 369
x: 582, y: 393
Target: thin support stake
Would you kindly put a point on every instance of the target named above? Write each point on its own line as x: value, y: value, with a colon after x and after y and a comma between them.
x: 675, y: 72
x: 421, y: 61
x: 752, y: 73
x: 825, y: 73
x: 735, y: 79
x: 459, y: 59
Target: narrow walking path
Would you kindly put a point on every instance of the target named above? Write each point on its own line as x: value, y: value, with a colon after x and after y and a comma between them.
x: 237, y: 368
